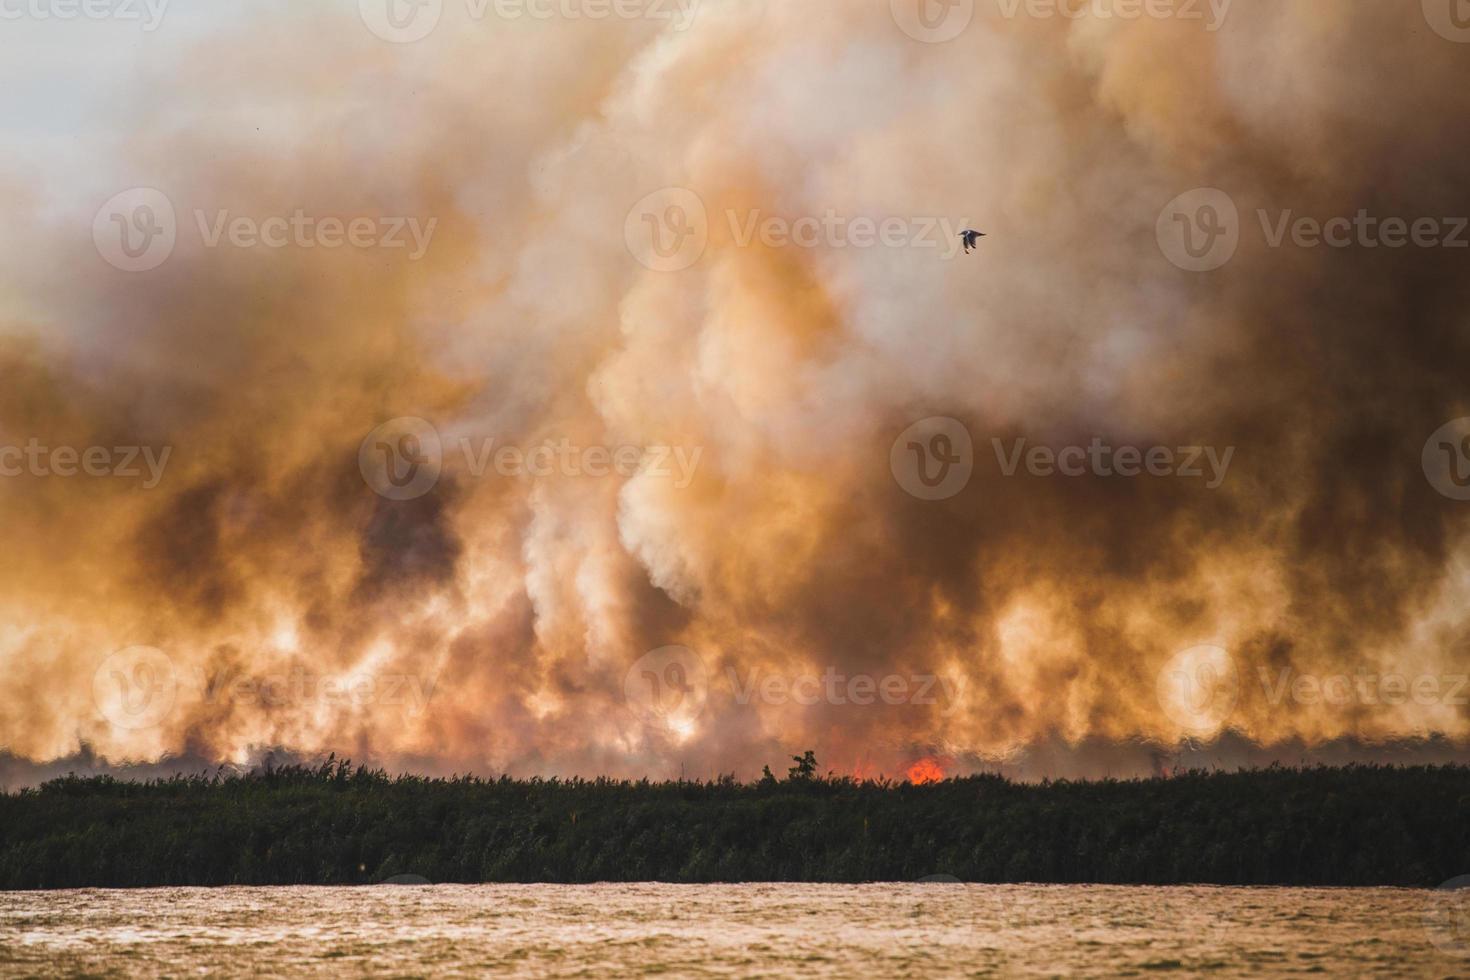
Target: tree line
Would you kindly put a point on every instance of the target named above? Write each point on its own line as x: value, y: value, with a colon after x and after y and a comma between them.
x: 336, y: 824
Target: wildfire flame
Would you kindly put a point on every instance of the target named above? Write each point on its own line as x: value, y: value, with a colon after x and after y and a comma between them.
x: 925, y: 771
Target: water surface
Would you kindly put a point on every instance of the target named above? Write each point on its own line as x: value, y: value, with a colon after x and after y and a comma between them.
x: 735, y: 931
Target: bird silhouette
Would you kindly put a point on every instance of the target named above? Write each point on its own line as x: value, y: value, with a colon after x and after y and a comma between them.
x: 972, y: 240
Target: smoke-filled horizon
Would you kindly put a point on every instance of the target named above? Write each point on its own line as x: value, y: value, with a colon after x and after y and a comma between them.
x: 526, y: 390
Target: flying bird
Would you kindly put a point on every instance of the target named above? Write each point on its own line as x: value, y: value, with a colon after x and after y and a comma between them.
x: 972, y: 240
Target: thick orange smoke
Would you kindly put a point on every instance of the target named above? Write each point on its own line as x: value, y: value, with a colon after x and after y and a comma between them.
x: 394, y: 522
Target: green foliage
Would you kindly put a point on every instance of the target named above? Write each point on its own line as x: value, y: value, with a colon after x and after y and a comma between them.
x: 335, y: 824
x: 805, y: 769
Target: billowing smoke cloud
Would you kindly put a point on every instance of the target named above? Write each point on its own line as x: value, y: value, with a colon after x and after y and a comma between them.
x: 636, y: 505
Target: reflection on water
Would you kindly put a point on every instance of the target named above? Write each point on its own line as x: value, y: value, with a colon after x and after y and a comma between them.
x: 919, y: 929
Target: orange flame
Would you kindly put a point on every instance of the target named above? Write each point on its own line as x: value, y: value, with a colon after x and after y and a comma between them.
x: 925, y: 771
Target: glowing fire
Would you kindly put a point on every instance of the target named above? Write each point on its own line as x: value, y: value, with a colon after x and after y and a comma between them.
x: 925, y: 771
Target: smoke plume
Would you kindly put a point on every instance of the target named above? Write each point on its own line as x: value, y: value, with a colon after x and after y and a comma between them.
x: 756, y: 573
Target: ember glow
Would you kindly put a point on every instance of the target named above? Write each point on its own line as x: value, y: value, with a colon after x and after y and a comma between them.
x: 613, y: 396
x: 925, y: 771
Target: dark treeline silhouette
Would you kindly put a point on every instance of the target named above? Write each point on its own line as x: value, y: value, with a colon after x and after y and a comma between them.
x: 335, y: 824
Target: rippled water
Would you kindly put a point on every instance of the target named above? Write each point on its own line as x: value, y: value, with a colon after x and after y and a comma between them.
x: 736, y: 930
